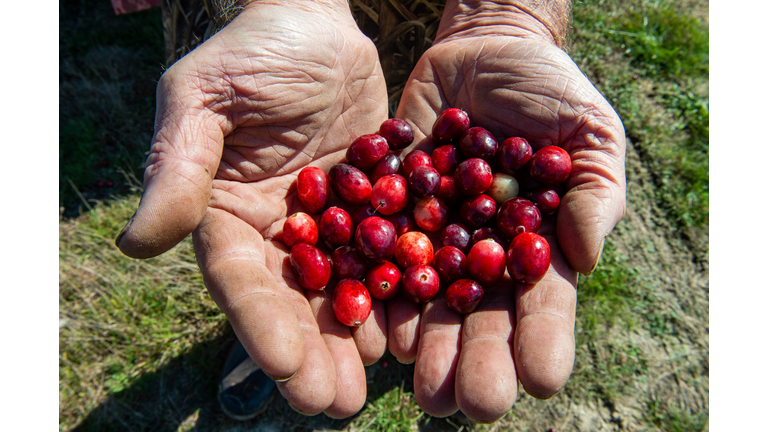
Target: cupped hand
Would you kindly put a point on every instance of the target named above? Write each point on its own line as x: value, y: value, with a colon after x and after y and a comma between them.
x: 523, y: 86
x: 280, y: 88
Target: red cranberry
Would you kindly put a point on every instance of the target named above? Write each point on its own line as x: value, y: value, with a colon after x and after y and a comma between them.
x: 350, y: 184
x: 477, y: 142
x: 366, y: 150
x: 528, y: 258
x: 450, y: 264
x: 299, y: 228
x: 550, y: 165
x: 312, y: 269
x: 488, y: 233
x: 424, y: 182
x: 363, y: 212
x: 346, y: 263
x: 486, y: 262
x: 477, y: 210
x: 503, y: 187
x: 414, y: 159
x: 513, y: 154
x: 335, y: 227
x: 413, y: 248
x: 473, y: 176
x: 546, y: 199
x: 420, y: 283
x: 448, y: 191
x: 403, y: 222
x: 516, y: 216
x: 390, y: 194
x: 313, y: 188
x: 397, y: 132
x: 351, y: 302
x: 389, y: 164
x: 464, y: 296
x: 383, y: 280
x: 431, y: 214
x: 375, y: 238
x: 456, y: 235
x: 445, y: 159
x: 449, y: 126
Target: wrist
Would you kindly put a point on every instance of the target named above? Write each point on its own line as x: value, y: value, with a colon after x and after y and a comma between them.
x: 546, y: 20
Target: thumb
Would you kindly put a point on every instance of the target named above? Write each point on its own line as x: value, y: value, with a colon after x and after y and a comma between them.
x: 184, y: 157
x: 596, y: 197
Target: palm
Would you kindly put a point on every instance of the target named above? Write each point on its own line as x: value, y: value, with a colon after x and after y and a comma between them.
x: 516, y: 87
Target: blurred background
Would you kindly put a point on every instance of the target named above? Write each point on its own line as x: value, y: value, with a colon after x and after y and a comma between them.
x: 141, y: 345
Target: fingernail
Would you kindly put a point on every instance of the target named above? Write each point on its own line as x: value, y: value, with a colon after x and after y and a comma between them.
x: 280, y: 380
x: 597, y: 261
x: 124, y: 230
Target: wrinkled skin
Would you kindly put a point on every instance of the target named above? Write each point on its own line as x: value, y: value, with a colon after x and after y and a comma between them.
x: 279, y: 88
x: 512, y: 86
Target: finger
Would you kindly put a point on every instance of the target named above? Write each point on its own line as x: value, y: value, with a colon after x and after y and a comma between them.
x: 403, y: 326
x: 596, y: 197
x: 371, y: 337
x: 185, y: 154
x: 350, y: 373
x: 246, y: 278
x: 544, y: 343
x: 437, y: 357
x: 486, y: 382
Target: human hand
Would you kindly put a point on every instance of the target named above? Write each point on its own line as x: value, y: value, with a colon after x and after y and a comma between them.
x: 282, y: 87
x: 503, y: 68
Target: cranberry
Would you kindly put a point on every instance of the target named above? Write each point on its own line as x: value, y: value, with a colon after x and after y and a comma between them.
x: 366, y: 150
x: 503, y: 187
x: 350, y: 184
x: 362, y: 212
x: 346, y: 263
x: 403, y: 222
x: 335, y: 227
x: 445, y: 159
x: 431, y: 214
x: 299, y: 228
x: 513, y: 154
x: 390, y: 194
x: 477, y: 142
x: 486, y: 262
x: 456, y: 235
x: 550, y: 165
x: 313, y: 188
x: 424, y: 182
x: 448, y: 191
x: 312, y: 269
x: 383, y: 280
x: 477, y: 210
x: 546, y: 199
x: 516, y: 216
x: 351, y: 302
x: 389, y: 164
x: 450, y: 264
x: 473, y: 176
x: 449, y: 126
x: 397, y: 132
x: 420, y: 283
x: 413, y: 248
x: 464, y: 296
x: 376, y: 238
x: 414, y: 159
x: 488, y: 233
x: 528, y: 258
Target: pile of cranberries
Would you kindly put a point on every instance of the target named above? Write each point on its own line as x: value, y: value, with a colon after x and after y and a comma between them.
x: 465, y: 198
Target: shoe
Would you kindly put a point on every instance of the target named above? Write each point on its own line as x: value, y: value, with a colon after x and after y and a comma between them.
x: 245, y: 391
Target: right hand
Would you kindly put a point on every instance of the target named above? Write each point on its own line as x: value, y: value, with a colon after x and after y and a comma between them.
x: 279, y: 88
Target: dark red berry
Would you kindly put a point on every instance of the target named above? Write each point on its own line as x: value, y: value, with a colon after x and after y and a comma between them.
x: 477, y: 210
x: 449, y: 126
x: 375, y: 238
x: 350, y: 184
x: 513, y: 154
x: 414, y: 159
x: 403, y: 222
x: 312, y: 269
x: 397, y: 132
x: 456, y: 235
x: 346, y: 263
x: 528, y: 258
x: 486, y: 262
x: 550, y: 165
x: 546, y: 199
x: 420, y: 283
x: 464, y: 296
x: 488, y: 233
x: 477, y: 142
x: 390, y: 194
x: 299, y: 228
x: 366, y: 150
x: 313, y: 189
x: 362, y: 212
x: 335, y: 227
x: 424, y: 182
x: 431, y: 214
x: 448, y: 191
x: 413, y: 248
x: 445, y: 159
x: 450, y: 264
x: 389, y: 164
x: 516, y: 216
x: 473, y: 176
x: 383, y: 280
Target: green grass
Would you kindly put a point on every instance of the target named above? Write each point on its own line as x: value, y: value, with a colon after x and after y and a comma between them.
x: 141, y: 343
